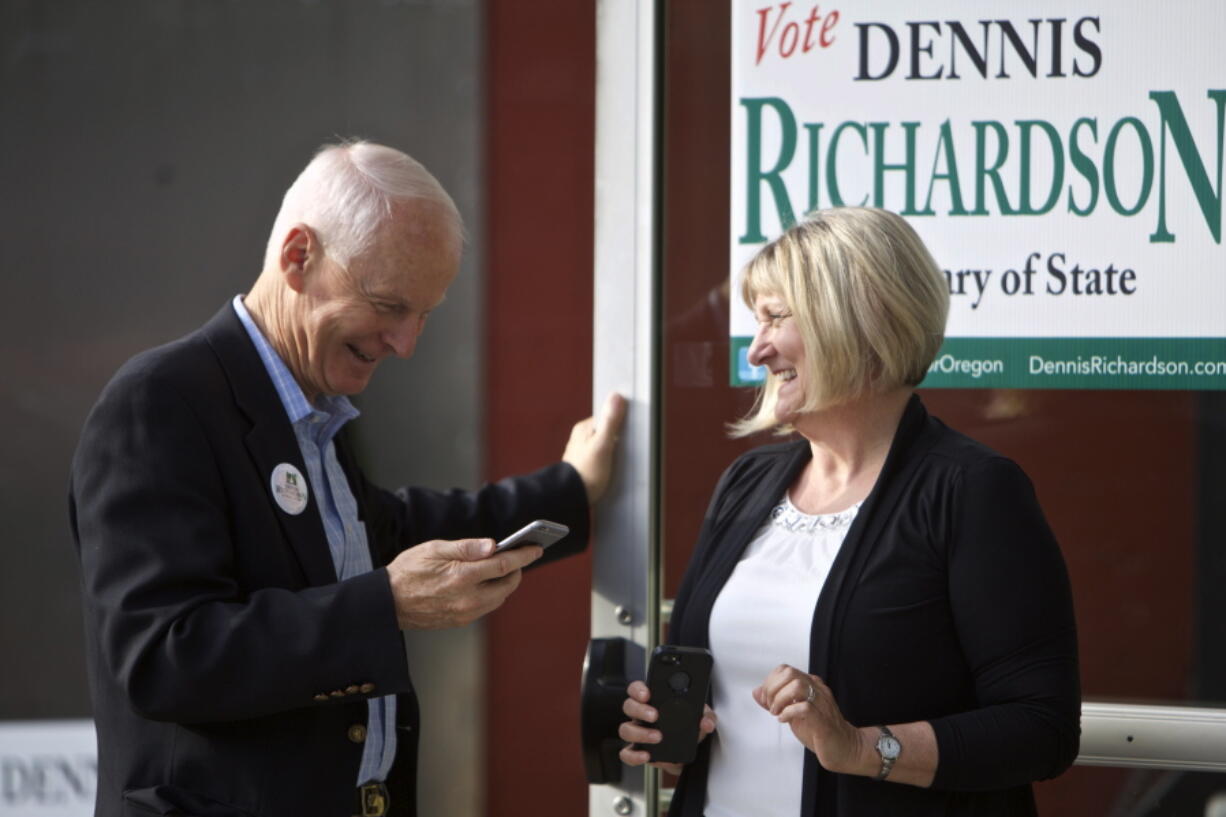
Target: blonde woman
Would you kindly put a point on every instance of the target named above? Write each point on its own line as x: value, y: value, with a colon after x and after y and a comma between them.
x: 889, y: 613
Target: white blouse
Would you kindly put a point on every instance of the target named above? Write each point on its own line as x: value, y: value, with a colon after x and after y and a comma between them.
x: 761, y: 619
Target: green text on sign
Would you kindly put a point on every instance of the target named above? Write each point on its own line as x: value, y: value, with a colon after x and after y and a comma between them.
x: 1175, y: 364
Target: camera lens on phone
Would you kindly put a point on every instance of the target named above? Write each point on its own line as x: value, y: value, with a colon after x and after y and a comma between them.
x: 679, y: 681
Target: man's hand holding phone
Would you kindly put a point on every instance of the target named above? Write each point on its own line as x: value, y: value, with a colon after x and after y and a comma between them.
x: 441, y: 583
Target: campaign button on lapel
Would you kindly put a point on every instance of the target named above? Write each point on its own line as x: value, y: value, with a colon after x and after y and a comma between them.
x: 289, y: 489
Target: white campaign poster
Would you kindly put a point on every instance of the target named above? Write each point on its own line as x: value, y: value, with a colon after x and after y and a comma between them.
x: 1062, y: 160
x: 47, y: 768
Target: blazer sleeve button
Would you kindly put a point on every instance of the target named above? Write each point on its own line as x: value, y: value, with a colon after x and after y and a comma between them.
x: 366, y: 688
x: 321, y: 697
x: 352, y: 689
x: 337, y: 693
x: 357, y: 733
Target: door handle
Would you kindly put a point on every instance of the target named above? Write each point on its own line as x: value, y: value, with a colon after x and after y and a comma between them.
x: 601, y: 693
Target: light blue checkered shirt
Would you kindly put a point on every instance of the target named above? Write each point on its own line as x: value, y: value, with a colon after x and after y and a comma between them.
x: 315, y: 426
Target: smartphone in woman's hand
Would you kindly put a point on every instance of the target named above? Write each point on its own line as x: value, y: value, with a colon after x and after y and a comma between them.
x: 679, y: 679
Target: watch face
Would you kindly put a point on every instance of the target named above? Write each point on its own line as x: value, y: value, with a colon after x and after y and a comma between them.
x: 889, y: 747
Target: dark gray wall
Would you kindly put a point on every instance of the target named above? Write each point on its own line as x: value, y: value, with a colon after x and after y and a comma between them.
x: 144, y: 148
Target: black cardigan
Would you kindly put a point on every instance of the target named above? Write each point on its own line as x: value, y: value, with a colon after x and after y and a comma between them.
x: 948, y: 602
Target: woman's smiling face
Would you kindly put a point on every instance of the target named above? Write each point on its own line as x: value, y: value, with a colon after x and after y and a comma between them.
x: 779, y: 347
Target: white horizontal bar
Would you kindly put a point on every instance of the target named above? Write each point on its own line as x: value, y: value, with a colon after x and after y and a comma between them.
x: 1153, y: 737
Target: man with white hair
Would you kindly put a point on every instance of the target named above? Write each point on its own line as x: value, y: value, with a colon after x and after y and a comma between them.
x: 245, y: 586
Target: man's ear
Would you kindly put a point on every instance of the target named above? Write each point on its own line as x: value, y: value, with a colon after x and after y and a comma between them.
x: 297, y: 251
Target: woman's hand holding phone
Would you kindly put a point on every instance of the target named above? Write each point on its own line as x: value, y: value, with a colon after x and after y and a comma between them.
x: 638, y: 730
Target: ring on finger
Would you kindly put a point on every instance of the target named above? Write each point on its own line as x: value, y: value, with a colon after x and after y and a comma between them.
x: 812, y: 694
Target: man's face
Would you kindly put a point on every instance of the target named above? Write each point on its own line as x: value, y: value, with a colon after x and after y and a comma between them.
x: 351, y: 319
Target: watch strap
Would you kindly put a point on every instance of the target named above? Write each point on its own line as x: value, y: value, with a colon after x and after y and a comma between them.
x: 887, y: 761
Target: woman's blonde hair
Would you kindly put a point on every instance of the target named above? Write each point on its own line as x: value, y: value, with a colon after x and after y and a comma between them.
x: 868, y: 299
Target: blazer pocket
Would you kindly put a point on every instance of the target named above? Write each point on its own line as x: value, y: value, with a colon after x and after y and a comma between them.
x: 908, y: 607
x: 172, y: 801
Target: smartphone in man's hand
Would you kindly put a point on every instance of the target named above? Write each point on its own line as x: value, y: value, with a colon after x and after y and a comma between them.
x: 541, y: 532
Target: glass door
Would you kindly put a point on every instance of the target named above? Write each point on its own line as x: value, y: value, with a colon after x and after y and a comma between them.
x: 1131, y: 481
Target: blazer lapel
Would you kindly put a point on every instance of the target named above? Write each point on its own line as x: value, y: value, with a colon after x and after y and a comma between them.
x: 270, y: 440
x: 862, y: 537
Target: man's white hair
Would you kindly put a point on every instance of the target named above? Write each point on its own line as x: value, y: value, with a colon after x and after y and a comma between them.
x: 346, y: 193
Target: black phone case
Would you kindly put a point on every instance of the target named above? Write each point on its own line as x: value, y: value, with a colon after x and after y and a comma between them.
x: 679, y: 679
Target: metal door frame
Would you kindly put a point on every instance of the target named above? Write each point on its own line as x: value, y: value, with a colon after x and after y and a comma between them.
x: 625, y: 569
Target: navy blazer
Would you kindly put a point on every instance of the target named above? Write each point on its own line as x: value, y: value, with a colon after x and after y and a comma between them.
x: 948, y: 602
x: 227, y: 664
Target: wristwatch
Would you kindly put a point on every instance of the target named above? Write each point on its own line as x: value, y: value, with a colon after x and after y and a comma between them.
x: 889, y: 748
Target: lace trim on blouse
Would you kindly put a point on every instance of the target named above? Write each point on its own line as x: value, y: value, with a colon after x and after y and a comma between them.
x: 787, y: 516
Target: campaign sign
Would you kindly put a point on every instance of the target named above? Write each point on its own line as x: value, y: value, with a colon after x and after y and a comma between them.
x: 1061, y: 160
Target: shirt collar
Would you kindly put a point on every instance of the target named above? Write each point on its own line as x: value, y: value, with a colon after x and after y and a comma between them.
x: 297, y: 407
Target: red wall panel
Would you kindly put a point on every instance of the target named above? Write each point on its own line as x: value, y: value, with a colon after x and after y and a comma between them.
x: 540, y: 93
